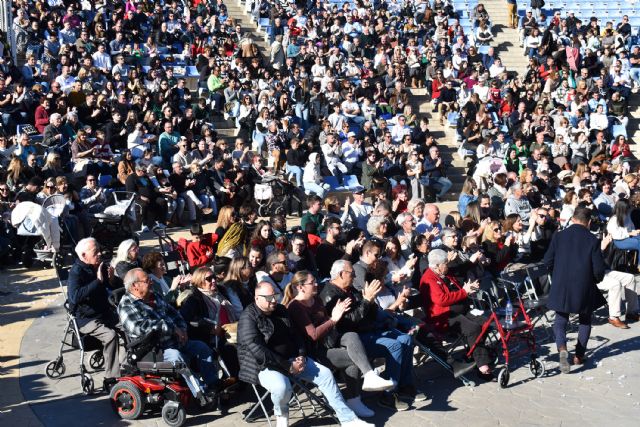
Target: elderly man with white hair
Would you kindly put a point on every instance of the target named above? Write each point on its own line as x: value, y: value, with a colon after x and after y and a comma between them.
x: 141, y: 312
x: 88, y: 301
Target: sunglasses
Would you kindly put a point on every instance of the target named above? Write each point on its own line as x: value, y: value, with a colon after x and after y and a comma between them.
x: 269, y: 298
x: 209, y: 278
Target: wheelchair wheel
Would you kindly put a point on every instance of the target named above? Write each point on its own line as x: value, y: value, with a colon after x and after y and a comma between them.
x: 96, y: 361
x: 173, y: 414
x: 537, y: 368
x: 126, y: 400
x: 503, y: 377
x: 55, y: 369
x: 87, y: 384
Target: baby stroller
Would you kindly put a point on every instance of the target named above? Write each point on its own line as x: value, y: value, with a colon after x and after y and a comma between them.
x: 274, y: 194
x: 149, y: 381
x: 174, y: 255
x: 509, y: 327
x: 117, y: 222
x: 74, y: 339
x: 45, y: 221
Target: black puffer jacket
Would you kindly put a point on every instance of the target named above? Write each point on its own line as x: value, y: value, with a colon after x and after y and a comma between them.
x: 255, y: 329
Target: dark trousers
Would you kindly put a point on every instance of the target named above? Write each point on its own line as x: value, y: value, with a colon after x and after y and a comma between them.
x: 350, y: 358
x: 154, y: 209
x: 584, y: 331
x: 470, y: 327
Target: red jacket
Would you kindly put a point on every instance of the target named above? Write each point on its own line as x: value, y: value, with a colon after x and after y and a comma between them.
x: 437, y: 298
x: 202, y: 252
x: 42, y: 118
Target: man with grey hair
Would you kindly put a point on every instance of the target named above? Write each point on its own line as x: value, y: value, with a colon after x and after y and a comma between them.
x: 89, y: 302
x: 141, y: 312
x: 518, y: 203
x: 380, y: 340
x: 52, y: 134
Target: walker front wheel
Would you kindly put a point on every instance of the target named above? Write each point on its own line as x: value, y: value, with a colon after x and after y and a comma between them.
x: 503, y: 377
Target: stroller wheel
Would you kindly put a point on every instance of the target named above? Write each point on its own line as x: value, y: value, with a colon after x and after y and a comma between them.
x: 96, y: 361
x: 279, y: 211
x: 503, y: 377
x: 126, y: 400
x: 55, y: 368
x: 173, y: 414
x: 87, y: 384
x: 263, y: 210
x: 537, y: 368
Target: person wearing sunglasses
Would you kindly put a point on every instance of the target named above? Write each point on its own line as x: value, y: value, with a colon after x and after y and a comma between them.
x: 268, y: 348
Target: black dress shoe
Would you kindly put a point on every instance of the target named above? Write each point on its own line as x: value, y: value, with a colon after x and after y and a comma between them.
x: 107, y: 383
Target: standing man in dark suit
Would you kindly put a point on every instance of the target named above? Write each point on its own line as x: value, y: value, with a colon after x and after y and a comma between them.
x: 575, y: 260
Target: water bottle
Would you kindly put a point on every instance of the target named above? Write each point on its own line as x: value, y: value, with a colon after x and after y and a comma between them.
x: 508, y: 312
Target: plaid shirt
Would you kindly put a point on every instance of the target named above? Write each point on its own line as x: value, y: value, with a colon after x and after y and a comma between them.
x: 138, y: 318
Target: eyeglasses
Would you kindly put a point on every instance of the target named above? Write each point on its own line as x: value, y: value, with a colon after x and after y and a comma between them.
x: 269, y: 298
x: 313, y: 283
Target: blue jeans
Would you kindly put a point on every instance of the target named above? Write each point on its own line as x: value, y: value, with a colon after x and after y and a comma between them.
x: 297, y: 172
x: 281, y: 390
x: 209, y: 201
x: 444, y: 183
x: 630, y: 243
x: 397, y: 350
x: 316, y: 188
x: 200, y: 353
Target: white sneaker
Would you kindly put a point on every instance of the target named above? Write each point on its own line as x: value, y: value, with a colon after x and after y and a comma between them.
x: 373, y: 382
x: 359, y: 408
x: 160, y: 225
x: 144, y: 229
x: 357, y: 423
x: 282, y: 421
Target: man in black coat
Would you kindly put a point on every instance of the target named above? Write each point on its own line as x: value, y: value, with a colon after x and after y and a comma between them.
x: 88, y: 301
x: 575, y: 260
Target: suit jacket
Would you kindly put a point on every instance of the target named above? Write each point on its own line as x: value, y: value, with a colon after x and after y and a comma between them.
x: 576, y: 263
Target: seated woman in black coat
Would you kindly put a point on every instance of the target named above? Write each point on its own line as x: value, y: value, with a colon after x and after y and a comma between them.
x: 206, y: 312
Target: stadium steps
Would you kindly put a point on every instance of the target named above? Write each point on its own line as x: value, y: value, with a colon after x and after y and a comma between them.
x: 505, y: 39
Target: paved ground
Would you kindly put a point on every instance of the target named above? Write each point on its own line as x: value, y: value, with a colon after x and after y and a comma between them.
x: 32, y: 320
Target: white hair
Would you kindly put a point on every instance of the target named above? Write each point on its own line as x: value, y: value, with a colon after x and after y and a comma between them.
x: 131, y: 277
x: 437, y: 257
x: 83, y: 245
x: 337, y: 268
x: 123, y: 251
x: 55, y: 116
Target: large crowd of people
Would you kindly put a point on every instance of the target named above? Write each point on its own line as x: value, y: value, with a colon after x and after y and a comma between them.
x: 104, y: 98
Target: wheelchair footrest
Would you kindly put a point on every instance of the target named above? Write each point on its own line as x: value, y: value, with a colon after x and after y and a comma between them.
x: 157, y: 367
